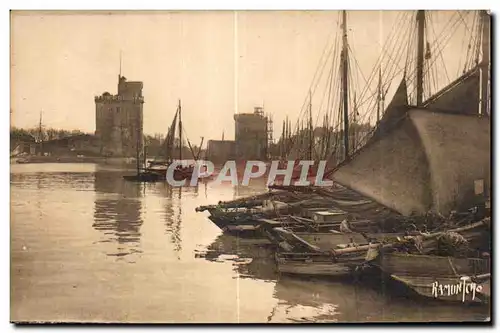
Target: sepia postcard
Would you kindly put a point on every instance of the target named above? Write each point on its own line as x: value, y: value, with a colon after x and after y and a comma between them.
x: 185, y: 167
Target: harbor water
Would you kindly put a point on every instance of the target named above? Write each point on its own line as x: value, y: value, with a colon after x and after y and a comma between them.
x: 87, y: 246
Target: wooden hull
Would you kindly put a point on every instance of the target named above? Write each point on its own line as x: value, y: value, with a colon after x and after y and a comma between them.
x: 322, y: 241
x: 183, y: 174
x: 437, y: 277
x: 179, y: 174
x: 223, y: 221
x: 326, y: 241
x: 432, y: 266
x: 223, y: 216
x: 319, y: 241
x: 452, y: 288
x: 154, y: 175
x: 145, y: 177
x: 315, y: 269
x: 319, y: 264
x: 244, y: 231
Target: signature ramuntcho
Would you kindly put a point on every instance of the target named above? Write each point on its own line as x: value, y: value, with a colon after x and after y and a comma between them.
x: 465, y: 287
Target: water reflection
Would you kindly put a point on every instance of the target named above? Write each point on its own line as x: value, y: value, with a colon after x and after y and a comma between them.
x: 117, y: 212
x: 58, y: 272
x: 297, y: 301
x: 172, y: 214
x: 368, y: 299
x: 172, y: 204
x: 251, y: 258
x: 255, y: 186
x: 177, y: 222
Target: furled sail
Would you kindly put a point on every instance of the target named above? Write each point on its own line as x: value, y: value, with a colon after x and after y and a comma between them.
x: 395, y: 111
x: 427, y: 161
x: 461, y: 96
x: 168, y: 144
x: 17, y: 151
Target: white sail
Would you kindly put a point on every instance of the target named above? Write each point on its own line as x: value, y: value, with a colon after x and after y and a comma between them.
x: 427, y: 161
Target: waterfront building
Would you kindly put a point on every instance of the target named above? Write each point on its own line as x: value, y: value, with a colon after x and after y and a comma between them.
x: 119, y: 119
x: 251, y: 135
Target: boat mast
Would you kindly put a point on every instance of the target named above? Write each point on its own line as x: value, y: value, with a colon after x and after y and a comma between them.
x: 345, y: 86
x: 138, y: 144
x: 40, y: 133
x: 420, y: 56
x: 354, y: 120
x: 311, y: 137
x: 379, y: 94
x: 287, y: 136
x: 40, y: 127
x: 180, y: 132
x: 485, y: 62
x: 326, y: 137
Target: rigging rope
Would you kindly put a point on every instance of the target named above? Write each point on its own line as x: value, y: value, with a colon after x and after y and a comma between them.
x: 312, y: 90
x: 390, y: 72
x: 436, y: 48
x: 316, y: 73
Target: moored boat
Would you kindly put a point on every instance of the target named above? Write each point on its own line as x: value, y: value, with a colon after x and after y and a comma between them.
x: 439, y: 277
x: 144, y: 177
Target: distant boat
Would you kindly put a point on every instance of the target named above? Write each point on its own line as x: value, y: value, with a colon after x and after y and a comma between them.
x: 156, y: 171
x: 22, y: 161
x: 145, y: 176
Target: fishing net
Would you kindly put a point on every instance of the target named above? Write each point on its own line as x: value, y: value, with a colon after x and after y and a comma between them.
x: 452, y: 244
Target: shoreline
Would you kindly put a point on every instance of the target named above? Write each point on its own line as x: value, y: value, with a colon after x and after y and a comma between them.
x: 72, y: 159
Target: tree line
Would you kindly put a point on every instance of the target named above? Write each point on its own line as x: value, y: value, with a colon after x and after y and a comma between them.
x: 153, y: 143
x: 43, y: 134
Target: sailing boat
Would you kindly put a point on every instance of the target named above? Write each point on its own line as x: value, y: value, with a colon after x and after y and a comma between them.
x: 168, y: 147
x: 157, y: 169
x: 182, y: 171
x: 304, y: 143
x: 433, y: 155
x: 143, y: 174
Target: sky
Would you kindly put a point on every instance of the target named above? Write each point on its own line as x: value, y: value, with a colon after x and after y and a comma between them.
x: 217, y: 63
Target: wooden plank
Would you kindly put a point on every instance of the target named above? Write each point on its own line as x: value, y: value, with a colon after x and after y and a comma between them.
x: 335, y: 270
x: 425, y: 265
x: 298, y: 239
x: 242, y: 227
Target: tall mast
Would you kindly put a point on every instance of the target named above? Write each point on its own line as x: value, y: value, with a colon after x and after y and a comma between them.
x: 420, y: 56
x: 120, y: 73
x: 379, y: 94
x: 180, y: 132
x: 289, y: 133
x: 283, y: 135
x: 311, y: 137
x: 40, y: 127
x: 285, y: 138
x: 345, y: 84
x: 144, y: 152
x: 138, y: 145
x: 354, y: 120
x: 302, y: 133
x: 40, y: 133
x: 485, y: 62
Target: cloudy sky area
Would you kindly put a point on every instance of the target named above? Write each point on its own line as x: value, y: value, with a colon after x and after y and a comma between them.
x: 217, y: 63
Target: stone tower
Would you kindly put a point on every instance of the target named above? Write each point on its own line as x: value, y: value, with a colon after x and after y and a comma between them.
x: 251, y: 135
x: 119, y: 119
